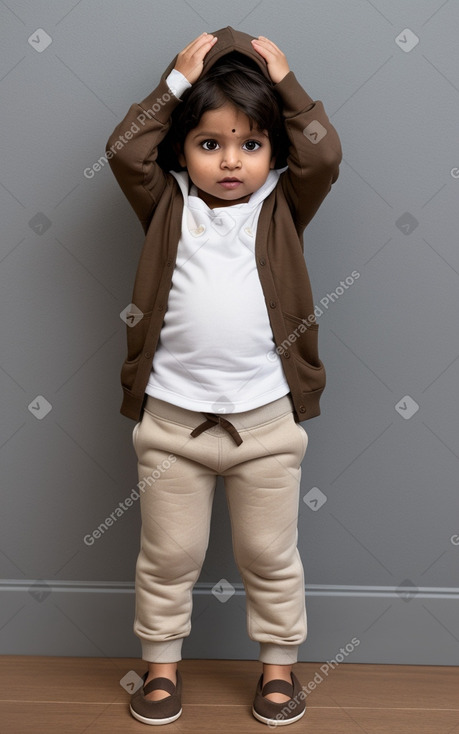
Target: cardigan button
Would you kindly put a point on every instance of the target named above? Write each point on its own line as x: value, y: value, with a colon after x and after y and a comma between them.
x: 262, y: 261
x: 147, y: 355
x: 302, y: 409
x: 197, y: 230
x: 273, y: 304
x: 286, y: 354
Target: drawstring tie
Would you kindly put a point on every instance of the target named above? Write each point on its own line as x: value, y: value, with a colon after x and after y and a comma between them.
x: 217, y: 420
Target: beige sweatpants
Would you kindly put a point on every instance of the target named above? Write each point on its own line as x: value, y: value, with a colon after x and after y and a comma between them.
x: 177, y: 478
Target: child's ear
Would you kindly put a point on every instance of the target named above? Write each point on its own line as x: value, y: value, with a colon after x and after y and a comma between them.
x: 178, y: 152
x: 273, y: 162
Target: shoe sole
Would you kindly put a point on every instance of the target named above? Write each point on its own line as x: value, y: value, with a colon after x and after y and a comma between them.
x: 277, y: 722
x: 145, y: 720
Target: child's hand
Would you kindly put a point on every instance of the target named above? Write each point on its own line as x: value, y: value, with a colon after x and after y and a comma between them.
x: 190, y: 61
x: 277, y: 63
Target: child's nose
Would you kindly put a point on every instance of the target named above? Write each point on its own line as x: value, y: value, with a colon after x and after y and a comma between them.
x: 231, y: 158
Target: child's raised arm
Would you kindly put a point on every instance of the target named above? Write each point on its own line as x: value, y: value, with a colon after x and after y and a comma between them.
x: 132, y: 148
x: 315, y: 149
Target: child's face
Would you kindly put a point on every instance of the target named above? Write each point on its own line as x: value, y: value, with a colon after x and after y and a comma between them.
x: 222, y: 146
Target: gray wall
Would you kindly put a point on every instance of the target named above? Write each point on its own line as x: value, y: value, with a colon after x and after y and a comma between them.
x: 381, y: 553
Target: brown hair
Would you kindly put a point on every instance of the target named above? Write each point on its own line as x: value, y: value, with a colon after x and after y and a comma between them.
x: 236, y: 79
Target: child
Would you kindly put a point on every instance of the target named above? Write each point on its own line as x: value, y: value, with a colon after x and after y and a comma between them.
x: 224, y: 163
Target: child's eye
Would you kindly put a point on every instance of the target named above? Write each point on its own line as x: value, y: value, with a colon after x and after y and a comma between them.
x: 209, y: 144
x: 251, y: 144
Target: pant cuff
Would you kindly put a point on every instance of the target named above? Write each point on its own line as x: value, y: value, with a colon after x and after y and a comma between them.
x: 278, y: 654
x: 169, y: 651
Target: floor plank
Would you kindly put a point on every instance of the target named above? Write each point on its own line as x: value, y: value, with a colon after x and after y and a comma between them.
x: 84, y: 695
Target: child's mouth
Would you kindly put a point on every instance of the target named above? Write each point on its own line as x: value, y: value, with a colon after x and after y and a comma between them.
x: 230, y: 183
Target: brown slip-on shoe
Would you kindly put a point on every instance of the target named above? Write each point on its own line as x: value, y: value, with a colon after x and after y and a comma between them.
x: 279, y: 714
x: 165, y: 710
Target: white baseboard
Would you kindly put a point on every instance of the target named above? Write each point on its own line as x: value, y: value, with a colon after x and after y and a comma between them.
x: 351, y: 624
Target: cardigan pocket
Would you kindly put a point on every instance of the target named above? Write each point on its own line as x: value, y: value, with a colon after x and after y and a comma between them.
x: 302, y: 340
x: 136, y: 336
x: 128, y: 373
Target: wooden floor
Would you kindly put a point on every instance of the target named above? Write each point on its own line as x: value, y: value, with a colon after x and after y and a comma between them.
x: 83, y: 695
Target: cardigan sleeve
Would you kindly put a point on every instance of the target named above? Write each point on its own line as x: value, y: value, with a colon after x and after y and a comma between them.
x: 132, y: 149
x: 314, y: 151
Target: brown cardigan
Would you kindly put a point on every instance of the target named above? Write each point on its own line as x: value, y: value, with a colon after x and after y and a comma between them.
x: 154, y: 194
